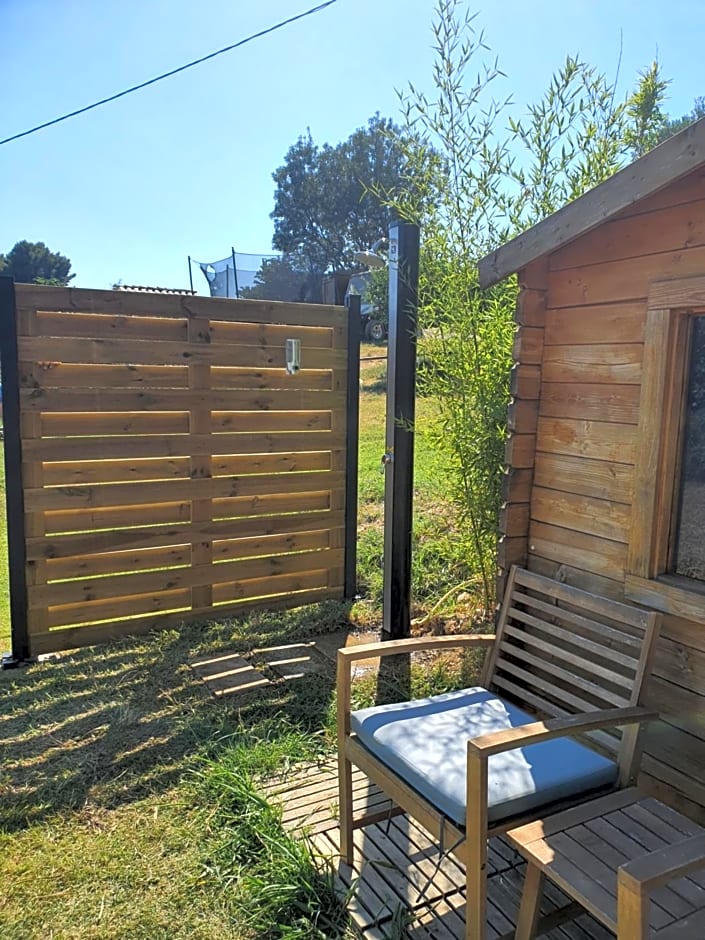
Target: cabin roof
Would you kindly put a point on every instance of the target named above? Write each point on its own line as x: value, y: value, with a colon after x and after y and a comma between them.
x: 675, y: 158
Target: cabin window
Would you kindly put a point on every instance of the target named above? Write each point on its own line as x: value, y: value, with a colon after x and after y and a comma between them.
x: 688, y: 541
x: 665, y: 566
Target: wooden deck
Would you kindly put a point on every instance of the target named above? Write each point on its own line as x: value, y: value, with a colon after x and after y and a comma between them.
x: 397, y: 867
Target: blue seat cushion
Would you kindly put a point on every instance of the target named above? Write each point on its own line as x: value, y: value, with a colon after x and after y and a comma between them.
x: 425, y: 743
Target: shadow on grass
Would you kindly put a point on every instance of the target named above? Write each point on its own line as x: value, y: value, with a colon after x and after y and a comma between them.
x: 108, y: 725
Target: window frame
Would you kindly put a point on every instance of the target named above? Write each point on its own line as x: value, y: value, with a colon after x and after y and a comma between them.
x: 670, y: 309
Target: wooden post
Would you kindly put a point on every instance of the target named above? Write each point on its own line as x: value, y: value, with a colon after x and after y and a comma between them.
x: 14, y: 486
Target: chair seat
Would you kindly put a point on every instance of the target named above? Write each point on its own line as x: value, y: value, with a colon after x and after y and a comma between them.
x: 425, y: 743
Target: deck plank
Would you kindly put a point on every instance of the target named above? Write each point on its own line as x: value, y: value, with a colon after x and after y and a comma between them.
x: 397, y: 868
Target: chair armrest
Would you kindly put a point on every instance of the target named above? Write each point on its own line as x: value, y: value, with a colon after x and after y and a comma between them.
x: 651, y: 871
x: 413, y: 645
x: 534, y: 733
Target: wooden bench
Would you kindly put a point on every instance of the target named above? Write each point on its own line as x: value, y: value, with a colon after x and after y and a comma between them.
x: 634, y: 863
x: 571, y: 659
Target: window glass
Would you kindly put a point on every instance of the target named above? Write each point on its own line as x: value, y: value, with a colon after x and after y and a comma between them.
x: 689, y: 543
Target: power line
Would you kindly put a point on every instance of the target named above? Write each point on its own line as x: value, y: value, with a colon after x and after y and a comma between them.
x: 181, y: 68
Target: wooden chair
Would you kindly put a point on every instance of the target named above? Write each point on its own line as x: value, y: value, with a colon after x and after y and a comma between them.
x: 472, y: 764
x: 637, y: 865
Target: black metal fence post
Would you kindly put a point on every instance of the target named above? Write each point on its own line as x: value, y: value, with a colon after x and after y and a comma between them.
x: 399, y: 447
x: 14, y: 491
x: 352, y: 444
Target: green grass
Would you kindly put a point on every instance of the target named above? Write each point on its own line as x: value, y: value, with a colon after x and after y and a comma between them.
x: 438, y: 556
x: 130, y: 801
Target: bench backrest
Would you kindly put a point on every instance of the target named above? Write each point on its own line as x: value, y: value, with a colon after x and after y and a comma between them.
x: 562, y: 651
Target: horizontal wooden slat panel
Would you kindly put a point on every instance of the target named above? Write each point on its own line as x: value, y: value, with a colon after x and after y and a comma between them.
x: 69, y: 545
x: 581, y: 513
x: 681, y: 665
x: 606, y: 324
x: 265, y: 587
x: 68, y: 473
x: 597, y: 440
x: 266, y: 442
x: 177, y: 399
x: 97, y: 424
x: 71, y: 375
x: 76, y: 472
x: 66, y: 375
x: 81, y: 566
x: 258, y: 423
x: 168, y: 451
x: 618, y: 403
x: 140, y: 560
x: 116, y: 609
x: 599, y: 478
x: 579, y: 550
x: 613, y: 364
x: 45, y: 641
x: 157, y: 353
x: 225, y: 549
x: 578, y: 577
x: 235, y: 508
x: 271, y: 334
x: 270, y: 463
x: 91, y: 325
x: 244, y: 506
x: 627, y: 279
x: 86, y: 325
x: 667, y: 229
x: 313, y: 379
x: 682, y: 707
x: 84, y: 519
x: 132, y: 494
x: 127, y: 585
x: 130, y: 303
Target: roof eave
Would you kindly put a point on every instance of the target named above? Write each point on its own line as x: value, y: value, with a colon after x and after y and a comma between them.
x: 670, y: 161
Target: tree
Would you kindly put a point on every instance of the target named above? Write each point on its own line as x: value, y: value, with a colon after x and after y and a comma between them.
x: 34, y: 263
x: 327, y: 203
x: 648, y: 122
x: 286, y: 278
x: 674, y: 125
x: 492, y: 186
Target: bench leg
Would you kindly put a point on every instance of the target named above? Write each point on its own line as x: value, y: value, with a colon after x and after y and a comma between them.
x: 345, y: 808
x: 527, y: 921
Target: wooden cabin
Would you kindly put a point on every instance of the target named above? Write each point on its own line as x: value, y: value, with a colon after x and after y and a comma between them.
x: 605, y: 484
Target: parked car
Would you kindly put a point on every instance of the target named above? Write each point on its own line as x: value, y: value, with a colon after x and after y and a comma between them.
x: 374, y: 327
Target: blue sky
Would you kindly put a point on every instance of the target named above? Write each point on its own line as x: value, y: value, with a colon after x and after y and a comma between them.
x: 129, y: 190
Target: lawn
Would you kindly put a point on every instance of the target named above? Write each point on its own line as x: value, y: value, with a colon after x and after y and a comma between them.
x: 129, y: 805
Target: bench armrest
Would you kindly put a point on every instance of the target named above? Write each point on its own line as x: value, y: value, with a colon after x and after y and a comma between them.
x: 498, y: 741
x: 412, y: 645
x: 658, y: 868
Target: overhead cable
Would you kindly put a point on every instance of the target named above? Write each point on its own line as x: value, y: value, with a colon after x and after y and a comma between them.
x: 181, y: 68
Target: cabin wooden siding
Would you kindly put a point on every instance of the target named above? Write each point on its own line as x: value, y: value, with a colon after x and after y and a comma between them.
x: 570, y: 469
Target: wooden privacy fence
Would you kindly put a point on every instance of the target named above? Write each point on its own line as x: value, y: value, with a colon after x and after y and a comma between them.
x: 163, y: 466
